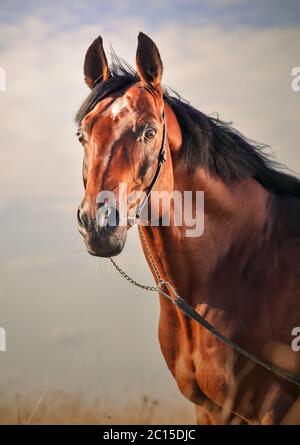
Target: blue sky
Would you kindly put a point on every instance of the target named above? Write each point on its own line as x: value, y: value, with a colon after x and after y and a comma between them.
x: 227, y: 13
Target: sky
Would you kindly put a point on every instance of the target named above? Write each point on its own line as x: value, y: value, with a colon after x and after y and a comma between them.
x: 71, y: 322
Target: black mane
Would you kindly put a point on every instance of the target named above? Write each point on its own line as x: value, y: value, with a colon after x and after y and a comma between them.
x: 207, y: 141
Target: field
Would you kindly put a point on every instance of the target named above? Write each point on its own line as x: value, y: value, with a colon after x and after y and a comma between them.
x: 58, y: 408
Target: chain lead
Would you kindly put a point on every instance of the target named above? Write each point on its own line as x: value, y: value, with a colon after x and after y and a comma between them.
x: 131, y: 280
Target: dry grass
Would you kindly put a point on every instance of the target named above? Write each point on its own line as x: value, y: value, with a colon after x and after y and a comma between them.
x: 57, y: 408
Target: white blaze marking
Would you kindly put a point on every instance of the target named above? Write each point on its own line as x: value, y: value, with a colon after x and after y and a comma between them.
x: 118, y: 105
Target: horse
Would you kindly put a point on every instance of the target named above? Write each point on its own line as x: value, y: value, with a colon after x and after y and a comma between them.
x: 241, y: 274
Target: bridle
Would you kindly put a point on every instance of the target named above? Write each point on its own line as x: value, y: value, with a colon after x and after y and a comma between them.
x: 167, y: 290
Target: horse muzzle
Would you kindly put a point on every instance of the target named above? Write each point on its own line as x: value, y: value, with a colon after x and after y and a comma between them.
x: 103, y: 235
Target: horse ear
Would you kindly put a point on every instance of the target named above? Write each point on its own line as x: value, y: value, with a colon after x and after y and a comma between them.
x: 148, y: 61
x: 95, y: 63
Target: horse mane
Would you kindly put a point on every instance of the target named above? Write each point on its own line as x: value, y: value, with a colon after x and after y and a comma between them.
x: 208, y: 141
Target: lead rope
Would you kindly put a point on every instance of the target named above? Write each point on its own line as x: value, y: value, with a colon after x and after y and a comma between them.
x: 187, y: 309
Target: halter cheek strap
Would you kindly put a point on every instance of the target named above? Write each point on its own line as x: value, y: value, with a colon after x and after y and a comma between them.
x: 131, y: 220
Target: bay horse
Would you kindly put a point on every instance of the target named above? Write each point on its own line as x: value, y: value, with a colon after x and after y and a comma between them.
x: 241, y: 274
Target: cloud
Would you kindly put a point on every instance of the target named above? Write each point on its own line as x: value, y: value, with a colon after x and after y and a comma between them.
x: 227, y: 13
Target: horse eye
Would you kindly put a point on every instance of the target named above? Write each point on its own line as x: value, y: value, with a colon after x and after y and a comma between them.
x: 150, y: 133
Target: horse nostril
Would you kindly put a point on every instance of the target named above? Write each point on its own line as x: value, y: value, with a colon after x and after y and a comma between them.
x: 79, y: 220
x: 82, y: 218
x: 78, y: 216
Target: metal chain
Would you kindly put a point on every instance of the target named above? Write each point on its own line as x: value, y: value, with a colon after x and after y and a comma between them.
x: 131, y: 280
x: 153, y: 265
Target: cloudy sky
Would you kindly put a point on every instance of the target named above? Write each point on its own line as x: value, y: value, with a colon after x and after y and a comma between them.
x: 71, y: 321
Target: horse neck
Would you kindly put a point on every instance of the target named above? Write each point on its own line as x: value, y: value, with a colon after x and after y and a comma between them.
x: 234, y: 218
